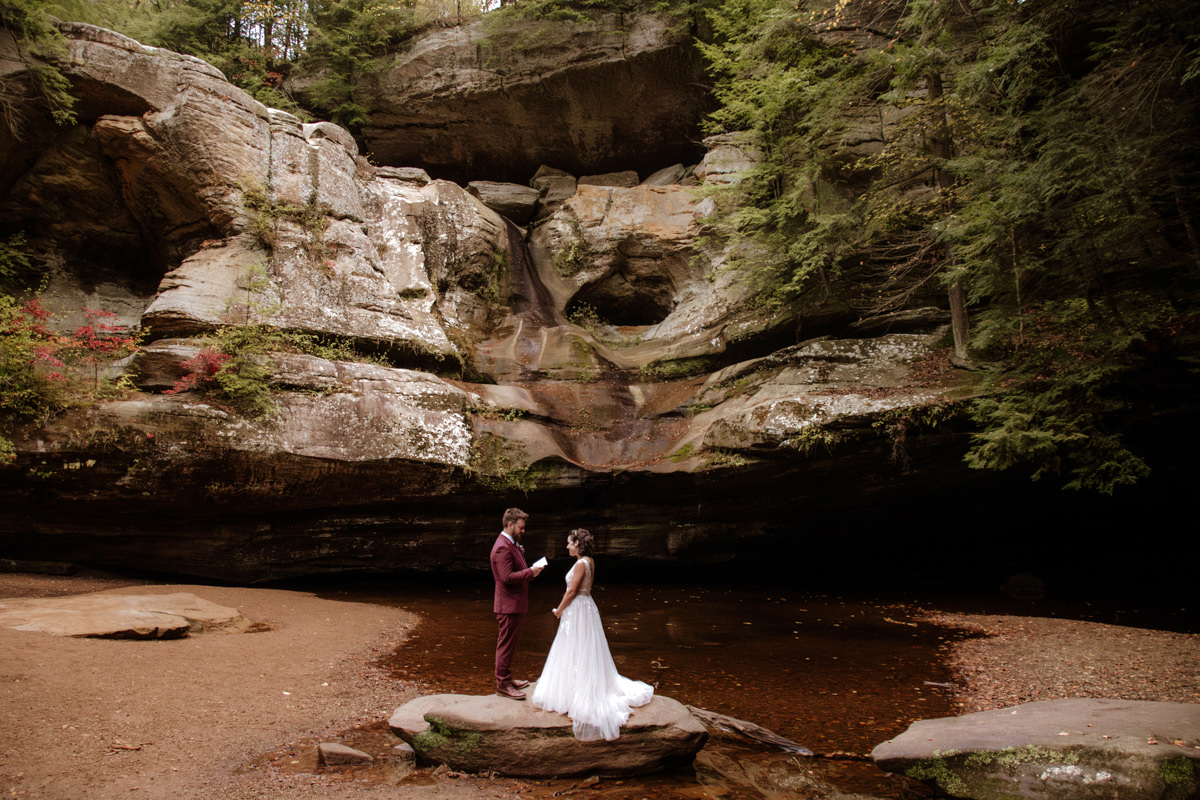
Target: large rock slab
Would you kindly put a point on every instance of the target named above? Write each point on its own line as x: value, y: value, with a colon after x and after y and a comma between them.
x: 511, y: 200
x: 628, y: 253
x: 614, y: 91
x: 206, y: 191
x: 109, y: 616
x: 339, y: 410
x: 478, y: 734
x: 1073, y: 748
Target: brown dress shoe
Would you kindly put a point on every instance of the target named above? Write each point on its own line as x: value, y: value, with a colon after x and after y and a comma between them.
x: 516, y: 684
x: 511, y: 692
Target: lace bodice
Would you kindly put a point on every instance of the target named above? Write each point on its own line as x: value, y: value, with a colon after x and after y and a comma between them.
x: 585, y: 586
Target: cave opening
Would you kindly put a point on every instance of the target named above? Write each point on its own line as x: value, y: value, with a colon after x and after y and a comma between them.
x: 632, y: 294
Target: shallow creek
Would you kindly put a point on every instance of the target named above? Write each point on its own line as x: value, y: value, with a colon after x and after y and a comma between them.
x: 835, y: 675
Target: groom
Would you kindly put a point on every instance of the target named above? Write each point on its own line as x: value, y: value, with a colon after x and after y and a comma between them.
x: 512, y: 597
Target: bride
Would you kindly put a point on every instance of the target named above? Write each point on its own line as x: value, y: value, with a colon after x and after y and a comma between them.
x: 580, y: 678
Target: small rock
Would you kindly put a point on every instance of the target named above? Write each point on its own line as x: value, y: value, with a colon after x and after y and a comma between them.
x: 546, y: 177
x: 555, y: 187
x: 404, y: 174
x: 332, y: 754
x: 667, y: 176
x: 403, y: 761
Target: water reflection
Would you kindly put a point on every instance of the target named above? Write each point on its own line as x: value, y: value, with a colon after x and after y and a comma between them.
x: 836, y: 675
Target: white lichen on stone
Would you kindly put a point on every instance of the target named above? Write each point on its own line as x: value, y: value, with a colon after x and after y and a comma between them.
x: 1074, y: 773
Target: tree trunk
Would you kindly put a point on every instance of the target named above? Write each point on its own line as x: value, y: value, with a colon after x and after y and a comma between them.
x: 940, y: 141
x: 958, y: 323
x: 1186, y: 217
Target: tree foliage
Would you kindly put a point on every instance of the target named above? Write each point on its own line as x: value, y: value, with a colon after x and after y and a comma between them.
x: 782, y: 89
x: 44, y: 371
x: 346, y: 39
x: 1039, y: 156
x: 38, y: 42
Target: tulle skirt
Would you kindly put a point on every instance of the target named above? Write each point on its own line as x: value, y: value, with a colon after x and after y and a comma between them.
x: 581, y: 680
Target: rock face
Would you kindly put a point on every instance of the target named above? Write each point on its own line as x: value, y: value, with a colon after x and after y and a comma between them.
x: 604, y: 364
x: 110, y: 616
x: 480, y: 734
x: 1072, y: 748
x: 494, y: 100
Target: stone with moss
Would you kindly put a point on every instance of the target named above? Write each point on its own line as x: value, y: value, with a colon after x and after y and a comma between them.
x: 1072, y: 748
x: 495, y: 734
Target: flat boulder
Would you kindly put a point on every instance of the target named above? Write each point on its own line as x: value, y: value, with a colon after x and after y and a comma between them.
x: 1074, y: 748
x: 492, y: 733
x: 511, y: 200
x: 625, y: 178
x: 112, y: 616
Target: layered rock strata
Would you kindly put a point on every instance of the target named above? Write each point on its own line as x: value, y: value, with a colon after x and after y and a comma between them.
x: 498, y: 97
x: 604, y: 363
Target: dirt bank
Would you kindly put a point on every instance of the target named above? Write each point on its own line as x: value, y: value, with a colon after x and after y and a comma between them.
x: 1023, y: 659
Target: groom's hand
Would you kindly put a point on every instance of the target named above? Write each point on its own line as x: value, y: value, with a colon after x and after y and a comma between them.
x: 537, y: 571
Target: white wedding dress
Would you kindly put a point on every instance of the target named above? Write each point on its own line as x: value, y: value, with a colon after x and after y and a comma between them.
x: 580, y: 678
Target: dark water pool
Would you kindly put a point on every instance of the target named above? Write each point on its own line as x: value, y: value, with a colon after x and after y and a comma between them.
x: 835, y: 675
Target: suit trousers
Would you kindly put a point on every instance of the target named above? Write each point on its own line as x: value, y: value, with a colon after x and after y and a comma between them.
x: 506, y: 646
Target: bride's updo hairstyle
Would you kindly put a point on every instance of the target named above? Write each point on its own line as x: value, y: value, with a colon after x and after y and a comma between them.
x: 584, y: 539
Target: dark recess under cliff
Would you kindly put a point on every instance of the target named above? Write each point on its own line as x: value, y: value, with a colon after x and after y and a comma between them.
x: 782, y: 525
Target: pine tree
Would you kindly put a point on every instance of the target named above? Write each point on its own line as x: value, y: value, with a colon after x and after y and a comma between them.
x: 1039, y: 165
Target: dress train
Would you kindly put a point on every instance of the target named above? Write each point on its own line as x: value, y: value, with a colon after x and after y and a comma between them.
x: 580, y: 678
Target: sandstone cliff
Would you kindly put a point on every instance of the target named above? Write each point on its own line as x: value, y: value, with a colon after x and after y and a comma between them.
x: 602, y: 367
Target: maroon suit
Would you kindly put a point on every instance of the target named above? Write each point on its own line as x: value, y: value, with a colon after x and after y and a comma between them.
x: 512, y: 601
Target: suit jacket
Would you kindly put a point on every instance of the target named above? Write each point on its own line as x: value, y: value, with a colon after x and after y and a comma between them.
x: 512, y: 578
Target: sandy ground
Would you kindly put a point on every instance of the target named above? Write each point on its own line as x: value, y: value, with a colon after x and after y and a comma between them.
x: 233, y: 717
x: 209, y: 716
x: 1023, y: 659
